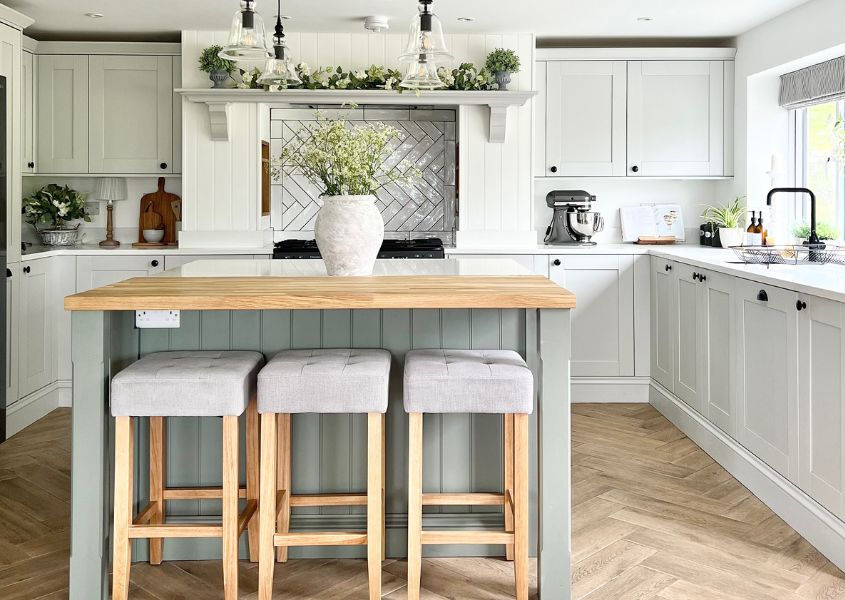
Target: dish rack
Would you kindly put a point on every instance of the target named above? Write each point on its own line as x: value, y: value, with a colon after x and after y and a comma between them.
x: 790, y: 255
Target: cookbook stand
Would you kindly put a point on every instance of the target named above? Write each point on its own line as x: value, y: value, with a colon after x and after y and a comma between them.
x: 158, y: 209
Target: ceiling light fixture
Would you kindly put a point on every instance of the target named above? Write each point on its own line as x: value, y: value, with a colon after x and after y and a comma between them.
x: 645, y: 19
x: 426, y: 47
x: 466, y: 19
x: 376, y: 24
x: 93, y: 15
x: 279, y: 70
x: 247, y: 36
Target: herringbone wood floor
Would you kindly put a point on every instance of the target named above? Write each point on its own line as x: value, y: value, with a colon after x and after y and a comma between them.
x: 654, y: 518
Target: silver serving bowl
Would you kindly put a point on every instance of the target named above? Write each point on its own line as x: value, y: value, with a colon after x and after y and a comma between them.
x: 59, y: 237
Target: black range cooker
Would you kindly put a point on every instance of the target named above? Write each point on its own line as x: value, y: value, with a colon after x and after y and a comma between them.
x: 421, y: 248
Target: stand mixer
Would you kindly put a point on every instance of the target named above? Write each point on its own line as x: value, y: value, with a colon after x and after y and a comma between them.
x: 574, y: 222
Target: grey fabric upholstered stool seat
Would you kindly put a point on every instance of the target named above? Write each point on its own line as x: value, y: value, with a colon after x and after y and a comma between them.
x: 319, y: 381
x: 470, y: 381
x: 179, y: 384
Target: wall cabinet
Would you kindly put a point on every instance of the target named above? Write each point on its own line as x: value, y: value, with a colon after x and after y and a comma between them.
x: 585, y: 118
x: 62, y: 119
x: 36, y: 343
x: 96, y: 271
x: 130, y: 102
x: 603, y: 323
x: 27, y: 112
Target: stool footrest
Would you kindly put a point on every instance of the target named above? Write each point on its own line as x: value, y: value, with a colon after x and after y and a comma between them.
x: 201, y: 493
x: 467, y: 537
x: 352, y: 499
x: 179, y: 530
x: 321, y: 538
x: 474, y: 499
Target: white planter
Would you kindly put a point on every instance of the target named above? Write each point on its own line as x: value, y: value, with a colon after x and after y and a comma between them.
x: 349, y: 231
x: 730, y: 237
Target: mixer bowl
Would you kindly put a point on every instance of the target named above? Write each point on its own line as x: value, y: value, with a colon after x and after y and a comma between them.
x: 583, y: 224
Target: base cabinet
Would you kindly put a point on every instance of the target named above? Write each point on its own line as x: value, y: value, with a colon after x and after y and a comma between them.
x: 662, y: 323
x: 718, y: 362
x: 37, y: 368
x: 96, y: 271
x: 688, y: 352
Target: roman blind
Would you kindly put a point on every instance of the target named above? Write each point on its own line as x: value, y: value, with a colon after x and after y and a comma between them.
x: 817, y: 84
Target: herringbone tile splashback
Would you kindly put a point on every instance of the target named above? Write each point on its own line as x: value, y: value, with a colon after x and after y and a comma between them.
x: 424, y: 207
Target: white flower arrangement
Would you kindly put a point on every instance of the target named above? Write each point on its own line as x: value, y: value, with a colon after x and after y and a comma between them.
x: 53, y: 205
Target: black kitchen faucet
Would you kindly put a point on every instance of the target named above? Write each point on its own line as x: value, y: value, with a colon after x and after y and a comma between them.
x: 813, y: 240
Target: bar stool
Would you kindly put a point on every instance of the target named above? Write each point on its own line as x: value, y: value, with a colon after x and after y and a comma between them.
x: 184, y: 384
x: 319, y: 381
x: 470, y: 381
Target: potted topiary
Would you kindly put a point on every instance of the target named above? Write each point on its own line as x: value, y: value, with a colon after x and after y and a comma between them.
x: 55, y: 205
x: 729, y: 220
x: 218, y: 69
x: 503, y: 63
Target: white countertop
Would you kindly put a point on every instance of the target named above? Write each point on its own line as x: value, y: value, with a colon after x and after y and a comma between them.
x: 34, y: 252
x: 619, y: 248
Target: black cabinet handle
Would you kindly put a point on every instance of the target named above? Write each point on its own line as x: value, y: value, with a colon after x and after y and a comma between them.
x: 30, y: 165
x: 27, y: 269
x: 553, y: 169
x: 668, y: 268
x: 556, y: 262
x: 163, y: 165
x: 8, y: 273
x: 762, y: 296
x: 154, y: 263
x: 801, y: 305
x: 635, y: 169
x: 695, y: 276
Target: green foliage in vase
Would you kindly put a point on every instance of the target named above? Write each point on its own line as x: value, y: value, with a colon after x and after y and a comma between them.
x: 54, y: 205
x: 342, y: 158
x: 729, y: 216
x: 502, y: 60
x: 825, y: 231
x: 210, y: 62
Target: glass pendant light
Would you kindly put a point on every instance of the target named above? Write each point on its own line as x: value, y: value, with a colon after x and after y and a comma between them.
x: 279, y: 70
x: 426, y: 48
x: 247, y: 37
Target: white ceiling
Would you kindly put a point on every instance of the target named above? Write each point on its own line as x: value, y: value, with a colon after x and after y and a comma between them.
x: 163, y: 19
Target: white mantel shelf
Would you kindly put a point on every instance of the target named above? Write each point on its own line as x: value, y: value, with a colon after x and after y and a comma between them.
x: 218, y: 102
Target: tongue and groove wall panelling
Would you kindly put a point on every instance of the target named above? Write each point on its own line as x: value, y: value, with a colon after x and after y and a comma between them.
x: 221, y: 179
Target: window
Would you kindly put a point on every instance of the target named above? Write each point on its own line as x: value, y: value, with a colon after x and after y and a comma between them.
x: 818, y: 164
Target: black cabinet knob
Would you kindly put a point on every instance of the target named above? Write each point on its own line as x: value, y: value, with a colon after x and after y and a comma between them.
x: 702, y: 278
x: 8, y: 273
x: 553, y: 169
x: 154, y: 263
x: 762, y: 296
x: 163, y: 165
x: 27, y: 269
x: 668, y: 268
x: 801, y: 305
x: 635, y: 169
x: 30, y: 165
x: 556, y: 262
x: 695, y: 276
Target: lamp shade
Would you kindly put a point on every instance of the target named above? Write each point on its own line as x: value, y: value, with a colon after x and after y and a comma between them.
x: 111, y: 189
x: 247, y: 36
x: 426, y: 50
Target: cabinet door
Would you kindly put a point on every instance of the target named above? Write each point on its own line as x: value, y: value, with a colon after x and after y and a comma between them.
x: 62, y: 114
x: 36, y: 341
x: 767, y: 375
x: 719, y: 351
x: 28, y: 112
x: 177, y: 115
x: 822, y: 398
x: 603, y: 322
x: 97, y: 271
x: 675, y: 118
x: 662, y: 322
x: 131, y: 114
x: 585, y: 118
x: 689, y: 339
x: 13, y: 321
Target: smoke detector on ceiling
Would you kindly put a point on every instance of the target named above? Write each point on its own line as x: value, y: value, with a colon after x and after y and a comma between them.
x: 376, y: 24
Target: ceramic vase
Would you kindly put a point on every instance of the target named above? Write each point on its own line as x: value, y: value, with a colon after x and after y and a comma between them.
x: 218, y: 78
x: 503, y: 78
x: 349, y: 231
x: 731, y: 236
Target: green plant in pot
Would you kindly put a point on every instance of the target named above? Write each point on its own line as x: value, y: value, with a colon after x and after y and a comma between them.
x: 825, y: 231
x: 729, y: 219
x: 218, y: 69
x: 503, y: 63
x: 54, y: 206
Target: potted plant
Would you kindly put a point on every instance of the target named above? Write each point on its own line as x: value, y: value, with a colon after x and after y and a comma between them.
x: 54, y: 206
x: 729, y: 220
x: 825, y: 231
x: 503, y: 63
x: 347, y: 163
x: 218, y: 69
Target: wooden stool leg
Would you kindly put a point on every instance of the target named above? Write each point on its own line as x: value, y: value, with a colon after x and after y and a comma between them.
x: 415, y: 450
x: 508, y: 491
x: 157, y: 484
x: 375, y: 508
x: 521, y: 505
x: 230, y: 507
x: 124, y: 446
x: 383, y: 486
x: 253, y: 468
x: 267, y: 507
x: 283, y: 480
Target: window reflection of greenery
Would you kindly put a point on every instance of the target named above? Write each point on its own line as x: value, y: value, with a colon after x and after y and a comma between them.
x: 824, y: 175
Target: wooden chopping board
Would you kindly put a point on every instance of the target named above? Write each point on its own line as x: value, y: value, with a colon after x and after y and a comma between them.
x: 157, y: 210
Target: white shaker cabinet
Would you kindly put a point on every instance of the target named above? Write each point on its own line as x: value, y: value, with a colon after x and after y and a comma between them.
x: 719, y: 351
x: 687, y: 342
x: 36, y: 368
x: 676, y: 118
x: 13, y: 325
x: 663, y: 330
x: 62, y: 114
x: 27, y: 112
x: 603, y: 322
x: 821, y: 401
x: 97, y: 271
x: 767, y: 374
x: 585, y: 118
x: 130, y: 126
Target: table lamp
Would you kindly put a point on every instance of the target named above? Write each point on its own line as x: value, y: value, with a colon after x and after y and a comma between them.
x: 111, y: 189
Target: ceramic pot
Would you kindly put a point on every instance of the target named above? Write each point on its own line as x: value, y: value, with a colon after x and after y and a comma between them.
x: 503, y: 78
x: 218, y: 78
x: 349, y: 231
x: 731, y: 236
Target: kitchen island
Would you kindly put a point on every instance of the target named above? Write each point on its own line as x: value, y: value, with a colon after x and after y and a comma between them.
x: 270, y: 306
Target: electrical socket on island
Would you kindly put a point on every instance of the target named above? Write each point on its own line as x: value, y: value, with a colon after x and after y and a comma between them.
x: 157, y: 319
